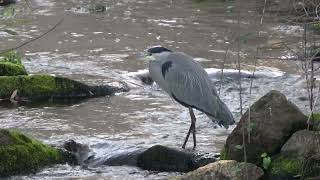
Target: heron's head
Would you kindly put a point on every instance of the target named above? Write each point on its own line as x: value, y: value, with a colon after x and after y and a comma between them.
x: 157, y: 50
x: 154, y: 51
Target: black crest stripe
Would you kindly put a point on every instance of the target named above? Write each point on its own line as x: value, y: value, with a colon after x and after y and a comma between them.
x: 165, y: 68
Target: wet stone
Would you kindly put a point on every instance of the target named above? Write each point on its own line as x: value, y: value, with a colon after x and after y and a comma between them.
x: 162, y: 158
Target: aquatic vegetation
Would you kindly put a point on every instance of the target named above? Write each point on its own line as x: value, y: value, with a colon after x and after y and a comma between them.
x: 20, y: 154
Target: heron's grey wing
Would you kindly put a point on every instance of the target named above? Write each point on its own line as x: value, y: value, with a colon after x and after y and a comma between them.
x: 190, y: 85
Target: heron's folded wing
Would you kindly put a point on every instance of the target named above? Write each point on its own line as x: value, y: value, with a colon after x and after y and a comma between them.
x: 191, y: 86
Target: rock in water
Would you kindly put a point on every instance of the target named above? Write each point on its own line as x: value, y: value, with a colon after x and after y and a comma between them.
x: 20, y: 154
x: 126, y: 158
x: 161, y: 158
x: 6, y: 2
x: 224, y: 170
x: 80, y: 152
x: 36, y: 88
x: 300, y: 156
x: 273, y: 119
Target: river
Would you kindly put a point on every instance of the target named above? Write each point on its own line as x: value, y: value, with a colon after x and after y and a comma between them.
x: 101, y: 47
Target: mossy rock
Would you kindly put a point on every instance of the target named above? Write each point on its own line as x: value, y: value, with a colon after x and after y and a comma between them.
x: 11, y: 56
x: 20, y: 154
x: 10, y: 64
x: 11, y: 69
x: 285, y: 166
x: 45, y: 87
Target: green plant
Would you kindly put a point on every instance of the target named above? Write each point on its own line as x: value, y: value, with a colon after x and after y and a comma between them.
x: 266, y: 161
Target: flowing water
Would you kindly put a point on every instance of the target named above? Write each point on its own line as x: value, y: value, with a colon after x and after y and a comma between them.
x: 101, y: 47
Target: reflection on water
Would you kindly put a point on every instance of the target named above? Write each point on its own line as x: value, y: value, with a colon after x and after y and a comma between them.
x: 102, y: 47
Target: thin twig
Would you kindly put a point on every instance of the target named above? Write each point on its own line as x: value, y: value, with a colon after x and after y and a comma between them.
x: 33, y: 39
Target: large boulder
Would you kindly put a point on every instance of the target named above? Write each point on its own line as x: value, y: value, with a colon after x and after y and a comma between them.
x: 273, y: 119
x: 300, y: 156
x: 224, y: 170
x: 45, y: 87
x: 20, y: 154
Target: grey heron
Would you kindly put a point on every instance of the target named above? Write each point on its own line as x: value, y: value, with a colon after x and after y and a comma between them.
x: 188, y: 83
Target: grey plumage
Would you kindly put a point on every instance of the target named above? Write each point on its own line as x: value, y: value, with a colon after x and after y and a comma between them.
x: 189, y: 84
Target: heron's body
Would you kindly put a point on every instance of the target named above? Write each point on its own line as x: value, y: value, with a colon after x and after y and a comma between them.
x: 189, y: 84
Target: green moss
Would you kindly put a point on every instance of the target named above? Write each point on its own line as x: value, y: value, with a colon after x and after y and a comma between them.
x: 10, y: 64
x: 316, y: 116
x: 11, y: 69
x: 11, y: 56
x: 39, y: 86
x: 223, y: 154
x: 287, y: 166
x: 21, y: 154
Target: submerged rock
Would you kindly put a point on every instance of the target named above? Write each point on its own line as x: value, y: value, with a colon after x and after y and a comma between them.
x: 20, y: 154
x: 224, y: 170
x: 300, y: 156
x: 273, y: 119
x: 45, y: 87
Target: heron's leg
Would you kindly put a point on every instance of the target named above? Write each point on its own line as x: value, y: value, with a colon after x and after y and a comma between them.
x: 192, y: 128
x: 187, y: 137
x: 193, y: 124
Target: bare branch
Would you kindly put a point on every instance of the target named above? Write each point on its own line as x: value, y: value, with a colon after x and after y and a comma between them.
x: 33, y: 39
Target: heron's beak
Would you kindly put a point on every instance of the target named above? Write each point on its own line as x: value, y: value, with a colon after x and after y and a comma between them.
x: 145, y: 56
